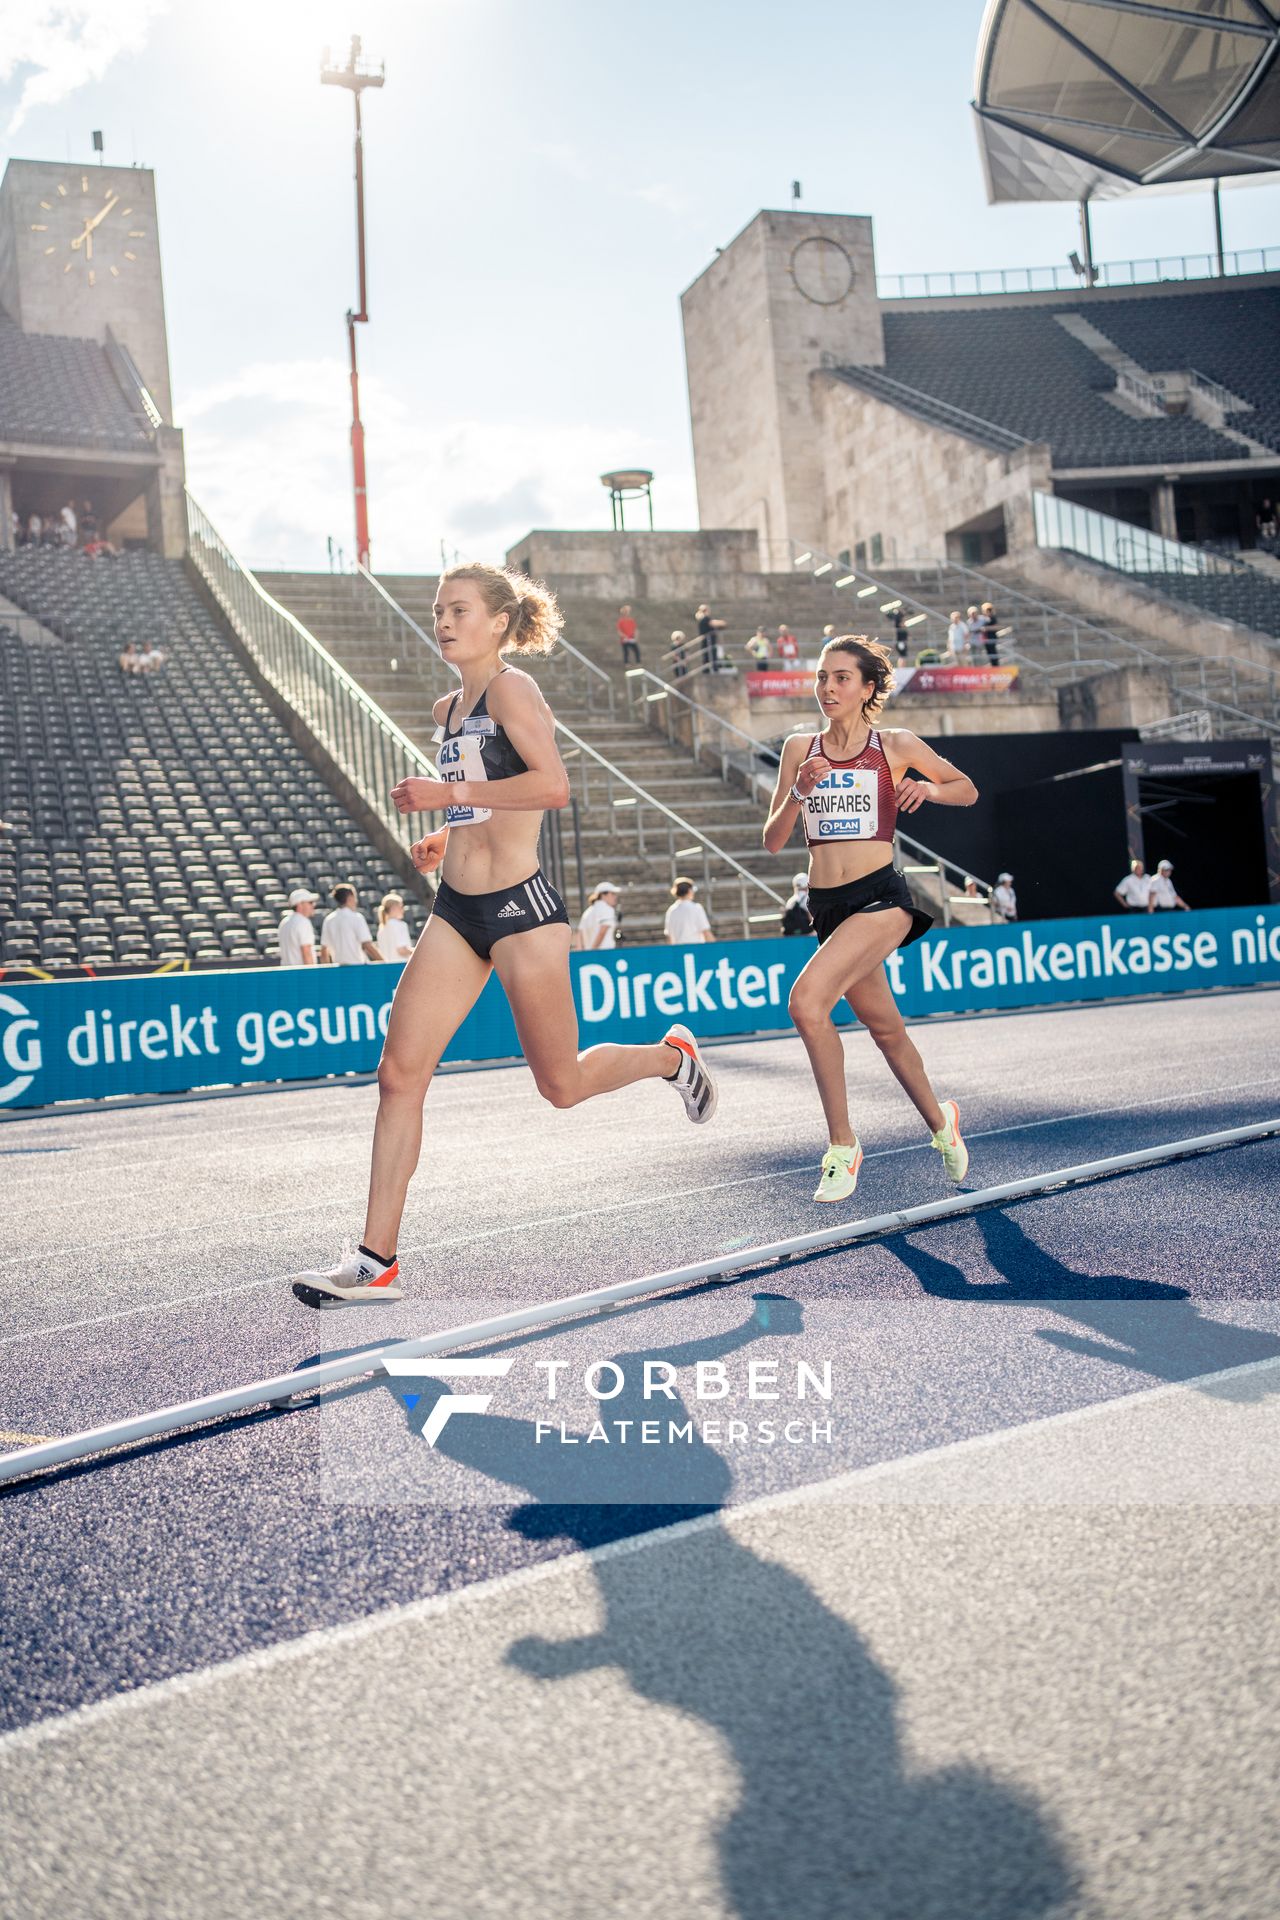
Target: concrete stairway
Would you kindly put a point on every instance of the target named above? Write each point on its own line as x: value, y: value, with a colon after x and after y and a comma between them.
x: 405, y: 677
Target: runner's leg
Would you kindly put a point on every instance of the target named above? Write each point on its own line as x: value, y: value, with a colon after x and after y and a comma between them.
x: 534, y: 970
x: 442, y: 981
x: 872, y: 1001
x: 857, y: 948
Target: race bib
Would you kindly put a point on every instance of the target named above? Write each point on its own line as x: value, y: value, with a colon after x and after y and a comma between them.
x: 462, y: 759
x: 845, y: 805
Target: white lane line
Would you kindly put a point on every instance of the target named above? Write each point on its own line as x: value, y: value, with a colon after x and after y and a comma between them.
x: 566, y: 1219
x: 278, y: 1388
x: 478, y: 1592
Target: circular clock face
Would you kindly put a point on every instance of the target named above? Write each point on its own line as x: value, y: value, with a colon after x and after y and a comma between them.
x: 91, y: 229
x: 822, y: 271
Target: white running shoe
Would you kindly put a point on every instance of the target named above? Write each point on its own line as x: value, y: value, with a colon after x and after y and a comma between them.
x: 840, y: 1168
x: 691, y: 1079
x: 950, y: 1144
x: 355, y: 1280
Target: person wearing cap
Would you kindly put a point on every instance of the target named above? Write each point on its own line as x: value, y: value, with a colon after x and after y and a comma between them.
x: 295, y: 936
x: 598, y: 926
x: 1134, y: 891
x: 1004, y: 899
x: 1164, y: 895
x: 796, y: 918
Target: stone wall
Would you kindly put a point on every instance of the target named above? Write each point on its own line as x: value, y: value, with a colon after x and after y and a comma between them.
x: 886, y: 472
x: 44, y: 280
x: 642, y: 566
x: 792, y: 291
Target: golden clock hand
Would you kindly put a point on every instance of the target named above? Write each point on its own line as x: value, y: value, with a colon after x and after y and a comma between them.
x: 98, y: 218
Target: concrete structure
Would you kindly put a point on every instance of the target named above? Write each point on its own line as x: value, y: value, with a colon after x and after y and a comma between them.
x: 901, y: 429
x: 85, y: 396
x: 794, y: 291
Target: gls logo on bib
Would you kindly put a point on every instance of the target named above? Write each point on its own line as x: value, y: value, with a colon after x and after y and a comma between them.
x: 19, y: 1048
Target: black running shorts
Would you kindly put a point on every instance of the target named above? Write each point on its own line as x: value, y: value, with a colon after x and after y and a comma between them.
x: 485, y: 918
x: 886, y: 887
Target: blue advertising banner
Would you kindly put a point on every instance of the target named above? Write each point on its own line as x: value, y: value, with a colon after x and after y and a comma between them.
x: 86, y: 1039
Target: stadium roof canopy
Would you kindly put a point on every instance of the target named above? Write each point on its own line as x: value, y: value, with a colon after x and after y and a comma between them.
x: 1083, y: 99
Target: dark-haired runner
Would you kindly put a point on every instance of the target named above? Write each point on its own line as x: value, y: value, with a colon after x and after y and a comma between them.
x: 495, y: 911
x: 847, y: 785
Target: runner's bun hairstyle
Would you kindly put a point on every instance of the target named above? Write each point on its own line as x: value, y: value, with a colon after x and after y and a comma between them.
x: 534, y: 618
x: 875, y: 664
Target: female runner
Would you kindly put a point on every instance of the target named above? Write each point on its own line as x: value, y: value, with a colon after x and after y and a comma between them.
x: 495, y: 911
x: 848, y: 785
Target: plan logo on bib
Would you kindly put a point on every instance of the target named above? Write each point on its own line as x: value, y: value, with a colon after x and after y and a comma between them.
x: 20, y: 1051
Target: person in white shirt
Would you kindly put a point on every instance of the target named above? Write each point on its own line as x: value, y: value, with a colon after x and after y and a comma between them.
x: 1134, y: 891
x: 598, y: 926
x: 393, y: 941
x: 958, y: 638
x: 295, y: 936
x: 1164, y: 895
x: 69, y: 525
x: 1004, y: 899
x: 686, y: 921
x: 345, y: 939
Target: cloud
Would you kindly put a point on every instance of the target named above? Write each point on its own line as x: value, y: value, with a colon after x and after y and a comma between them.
x: 61, y: 45
x: 269, y: 461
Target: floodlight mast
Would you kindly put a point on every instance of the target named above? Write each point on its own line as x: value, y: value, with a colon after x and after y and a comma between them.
x: 356, y: 75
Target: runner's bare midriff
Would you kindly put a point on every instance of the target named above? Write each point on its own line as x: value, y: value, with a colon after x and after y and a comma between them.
x: 489, y: 854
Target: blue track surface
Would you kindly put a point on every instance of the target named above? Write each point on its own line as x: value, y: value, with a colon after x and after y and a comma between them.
x: 147, y: 1243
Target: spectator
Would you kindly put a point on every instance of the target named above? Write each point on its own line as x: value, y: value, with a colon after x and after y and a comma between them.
x: 973, y: 620
x: 35, y: 530
x: 1134, y: 891
x: 1164, y: 895
x: 1004, y: 899
x: 686, y: 921
x: 345, y: 939
x: 796, y: 917
x: 17, y: 531
x: 151, y: 657
x: 958, y: 638
x: 88, y: 521
x: 828, y: 633
x: 990, y: 622
x: 709, y: 630
x: 295, y: 936
x: 598, y: 926
x: 788, y: 648
x: 969, y: 908
x: 131, y: 660
x: 757, y: 648
x: 898, y: 621
x: 679, y: 658
x: 1267, y: 520
x: 627, y: 635
x: 393, y: 940
x: 69, y: 528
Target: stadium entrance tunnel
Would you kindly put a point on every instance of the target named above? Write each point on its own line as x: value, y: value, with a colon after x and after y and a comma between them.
x: 1211, y: 826
x: 977, y: 541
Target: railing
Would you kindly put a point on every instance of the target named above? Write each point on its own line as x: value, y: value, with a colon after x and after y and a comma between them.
x: 924, y: 860
x: 1116, y: 543
x: 367, y: 748
x: 1058, y: 279
x: 1092, y: 647
x: 1142, y: 392
x: 660, y: 832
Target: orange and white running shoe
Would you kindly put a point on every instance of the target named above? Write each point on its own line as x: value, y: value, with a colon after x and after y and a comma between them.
x: 691, y: 1079
x: 950, y: 1144
x: 357, y: 1279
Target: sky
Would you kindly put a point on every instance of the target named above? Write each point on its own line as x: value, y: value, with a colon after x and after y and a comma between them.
x: 543, y: 177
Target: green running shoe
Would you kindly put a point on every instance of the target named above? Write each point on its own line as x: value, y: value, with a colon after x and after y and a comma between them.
x: 840, y: 1167
x: 950, y: 1144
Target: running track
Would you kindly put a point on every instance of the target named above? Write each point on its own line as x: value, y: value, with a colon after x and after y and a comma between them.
x: 1004, y: 1646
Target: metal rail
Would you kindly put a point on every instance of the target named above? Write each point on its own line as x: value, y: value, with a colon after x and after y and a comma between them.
x: 283, y: 1388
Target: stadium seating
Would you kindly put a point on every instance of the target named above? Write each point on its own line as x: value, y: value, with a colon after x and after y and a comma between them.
x: 152, y: 819
x: 1243, y: 595
x: 62, y: 392
x: 1018, y: 372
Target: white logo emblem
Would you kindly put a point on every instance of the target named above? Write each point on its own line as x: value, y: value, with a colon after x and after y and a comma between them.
x: 20, y: 1048
x: 511, y: 911
x: 448, y: 1403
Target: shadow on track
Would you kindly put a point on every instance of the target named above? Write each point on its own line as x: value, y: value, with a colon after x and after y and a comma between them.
x: 829, y: 1820
x: 1146, y: 1325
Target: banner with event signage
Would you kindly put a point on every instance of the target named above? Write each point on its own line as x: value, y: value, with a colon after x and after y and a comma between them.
x: 789, y: 682
x: 86, y: 1039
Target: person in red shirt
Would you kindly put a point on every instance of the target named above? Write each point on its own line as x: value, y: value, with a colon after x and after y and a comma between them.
x: 627, y: 635
x: 788, y: 646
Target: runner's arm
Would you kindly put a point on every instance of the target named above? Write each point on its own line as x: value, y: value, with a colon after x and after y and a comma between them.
x: 943, y: 783
x: 784, y: 808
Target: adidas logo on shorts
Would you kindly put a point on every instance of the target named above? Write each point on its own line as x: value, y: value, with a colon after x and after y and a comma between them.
x: 511, y: 911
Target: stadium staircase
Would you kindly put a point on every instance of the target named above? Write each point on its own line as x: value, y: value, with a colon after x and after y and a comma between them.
x: 151, y: 823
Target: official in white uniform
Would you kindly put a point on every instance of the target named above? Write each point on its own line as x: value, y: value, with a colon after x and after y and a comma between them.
x: 1134, y: 891
x: 345, y: 939
x: 1164, y: 895
x: 598, y: 926
x: 295, y: 936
